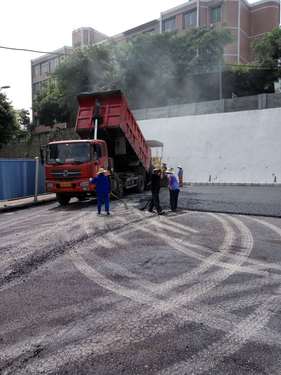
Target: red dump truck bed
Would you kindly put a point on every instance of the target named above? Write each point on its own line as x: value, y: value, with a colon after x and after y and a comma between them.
x: 114, y: 116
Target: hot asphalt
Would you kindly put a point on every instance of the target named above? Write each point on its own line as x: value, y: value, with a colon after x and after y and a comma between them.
x: 253, y: 200
x: 137, y: 293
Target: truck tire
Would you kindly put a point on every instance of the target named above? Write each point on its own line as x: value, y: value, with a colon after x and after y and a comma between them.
x: 117, y: 186
x: 141, y: 185
x: 120, y: 192
x: 63, y: 199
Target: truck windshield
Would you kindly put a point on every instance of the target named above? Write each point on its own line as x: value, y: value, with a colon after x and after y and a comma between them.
x: 61, y: 153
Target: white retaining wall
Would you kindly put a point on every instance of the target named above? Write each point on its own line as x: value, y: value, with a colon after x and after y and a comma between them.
x: 235, y: 147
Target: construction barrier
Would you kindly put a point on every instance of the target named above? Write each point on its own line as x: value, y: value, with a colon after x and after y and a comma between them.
x: 17, y: 178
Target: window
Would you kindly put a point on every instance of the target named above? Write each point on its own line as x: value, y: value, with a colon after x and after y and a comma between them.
x: 37, y: 71
x: 96, y: 148
x: 45, y: 67
x: 75, y: 153
x: 148, y: 31
x: 190, y: 19
x: 169, y: 24
x: 85, y: 37
x: 215, y: 14
x: 36, y: 88
x: 53, y: 64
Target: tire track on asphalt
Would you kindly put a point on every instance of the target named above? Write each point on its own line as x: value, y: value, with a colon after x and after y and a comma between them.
x: 26, y: 254
x: 146, y: 300
x: 200, y: 314
x: 204, y: 318
x: 182, y: 280
x: 164, y: 307
x: 211, y: 356
x: 21, y: 218
x: 27, y: 257
x: 151, y: 286
x: 208, y: 262
x: 253, y: 266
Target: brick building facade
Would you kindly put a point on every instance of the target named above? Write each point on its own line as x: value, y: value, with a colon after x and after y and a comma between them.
x: 246, y: 21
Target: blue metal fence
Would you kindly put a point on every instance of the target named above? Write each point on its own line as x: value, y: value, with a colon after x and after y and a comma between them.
x: 17, y: 178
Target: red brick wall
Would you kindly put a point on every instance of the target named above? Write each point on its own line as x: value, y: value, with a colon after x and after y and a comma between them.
x: 230, y: 13
x: 245, y: 18
x: 254, y: 20
x: 179, y: 21
x: 230, y: 50
x: 244, y: 48
x: 264, y: 18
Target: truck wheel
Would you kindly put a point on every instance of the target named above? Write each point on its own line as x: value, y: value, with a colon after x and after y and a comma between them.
x: 117, y: 186
x: 120, y: 190
x: 141, y: 185
x: 63, y: 199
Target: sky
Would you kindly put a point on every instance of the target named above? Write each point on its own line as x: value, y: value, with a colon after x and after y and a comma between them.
x: 47, y: 25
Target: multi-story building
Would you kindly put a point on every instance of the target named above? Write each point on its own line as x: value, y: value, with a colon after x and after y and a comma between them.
x: 246, y: 21
x: 44, y: 66
x: 86, y: 36
x: 146, y: 28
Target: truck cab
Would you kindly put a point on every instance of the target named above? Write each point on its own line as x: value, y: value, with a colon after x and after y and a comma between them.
x: 110, y: 139
x: 70, y: 164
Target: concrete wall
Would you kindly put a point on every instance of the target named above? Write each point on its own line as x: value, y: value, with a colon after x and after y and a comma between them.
x: 244, y: 103
x: 237, y: 147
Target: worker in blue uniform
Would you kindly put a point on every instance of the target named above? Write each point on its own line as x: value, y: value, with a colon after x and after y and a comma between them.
x: 174, y: 189
x: 102, y: 182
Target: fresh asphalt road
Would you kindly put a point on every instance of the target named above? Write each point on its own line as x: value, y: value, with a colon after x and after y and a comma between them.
x: 254, y: 200
x: 136, y: 293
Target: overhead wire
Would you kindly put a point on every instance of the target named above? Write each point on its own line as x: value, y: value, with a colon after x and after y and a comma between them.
x: 249, y: 66
x: 32, y: 50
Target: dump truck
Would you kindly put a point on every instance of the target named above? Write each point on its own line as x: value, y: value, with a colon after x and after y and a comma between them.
x: 110, y: 138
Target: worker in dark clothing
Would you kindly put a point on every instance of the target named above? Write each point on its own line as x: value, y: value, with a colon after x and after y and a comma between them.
x: 164, y: 177
x: 103, y: 188
x: 155, y: 189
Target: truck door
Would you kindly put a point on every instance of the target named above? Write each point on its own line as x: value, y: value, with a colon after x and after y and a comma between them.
x: 100, y: 155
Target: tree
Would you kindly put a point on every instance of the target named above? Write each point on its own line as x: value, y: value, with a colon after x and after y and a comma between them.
x: 159, y: 68
x: 23, y: 119
x: 88, y: 69
x: 50, y: 105
x: 151, y: 69
x: 267, y: 50
x: 248, y: 80
x: 259, y: 77
x: 8, y: 124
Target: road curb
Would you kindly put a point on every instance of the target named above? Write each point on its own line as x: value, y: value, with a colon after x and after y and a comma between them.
x: 26, y: 205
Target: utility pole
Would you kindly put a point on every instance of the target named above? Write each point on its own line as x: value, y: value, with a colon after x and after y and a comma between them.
x: 36, y: 178
x: 220, y: 81
x: 198, y: 14
x: 198, y: 21
x: 239, y: 32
